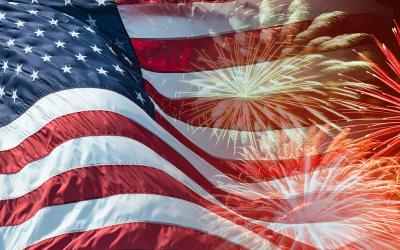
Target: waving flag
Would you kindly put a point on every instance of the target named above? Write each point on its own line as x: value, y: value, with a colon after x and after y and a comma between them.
x: 83, y: 164
x: 110, y: 121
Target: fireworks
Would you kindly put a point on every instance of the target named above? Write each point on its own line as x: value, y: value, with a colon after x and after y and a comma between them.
x: 387, y: 129
x: 274, y: 78
x: 345, y: 200
x: 283, y: 92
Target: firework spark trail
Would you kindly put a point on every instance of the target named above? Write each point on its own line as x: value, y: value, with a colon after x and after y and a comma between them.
x: 387, y: 128
x: 347, y: 200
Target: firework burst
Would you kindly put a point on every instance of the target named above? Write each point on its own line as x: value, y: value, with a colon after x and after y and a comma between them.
x: 289, y: 92
x: 272, y: 79
x: 345, y: 200
x: 386, y: 130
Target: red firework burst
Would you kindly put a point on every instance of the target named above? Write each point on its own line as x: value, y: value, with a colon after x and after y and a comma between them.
x: 387, y: 129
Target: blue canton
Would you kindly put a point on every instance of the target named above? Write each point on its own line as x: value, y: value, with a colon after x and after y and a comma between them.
x: 50, y: 45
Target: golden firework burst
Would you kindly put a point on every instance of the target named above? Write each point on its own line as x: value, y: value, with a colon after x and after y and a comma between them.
x: 267, y: 89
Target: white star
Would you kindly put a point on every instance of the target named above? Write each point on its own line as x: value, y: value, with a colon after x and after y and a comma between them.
x: 74, y: 34
x: 14, y: 95
x: 18, y: 69
x: 10, y: 42
x: 5, y: 66
x: 33, y: 12
x: 59, y: 44
x: 140, y: 97
x: 128, y: 60
x: 34, y: 75
x: 119, y: 44
x: 100, y: 2
x: 91, y: 21
x: 2, y: 15
x: 65, y: 14
x: 66, y: 69
x: 90, y: 29
x: 34, y: 1
x: 27, y: 49
x: 96, y: 49
x: 81, y: 57
x: 101, y: 71
x: 46, y: 58
x: 133, y: 75
x: 111, y: 49
x: 39, y: 32
x: 2, y: 93
x: 20, y: 23
x: 67, y: 2
x: 53, y: 22
x: 117, y: 68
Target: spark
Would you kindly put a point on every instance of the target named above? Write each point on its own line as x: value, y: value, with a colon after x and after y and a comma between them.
x: 342, y: 41
x: 319, y: 25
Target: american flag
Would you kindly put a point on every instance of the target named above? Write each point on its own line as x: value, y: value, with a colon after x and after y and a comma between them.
x: 100, y: 146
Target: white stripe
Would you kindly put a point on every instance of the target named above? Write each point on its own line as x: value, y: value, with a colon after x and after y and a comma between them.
x: 177, y: 86
x: 115, y: 150
x: 89, y: 152
x: 73, y: 101
x: 227, y: 147
x: 119, y: 209
x: 93, y: 151
x: 187, y: 20
x: 203, y: 19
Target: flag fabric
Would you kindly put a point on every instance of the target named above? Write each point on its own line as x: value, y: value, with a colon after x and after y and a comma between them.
x: 83, y: 164
x: 97, y: 150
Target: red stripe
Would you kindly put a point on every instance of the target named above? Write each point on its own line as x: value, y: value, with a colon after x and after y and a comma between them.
x: 186, y: 55
x: 98, y: 123
x: 92, y: 123
x: 103, y: 181
x: 92, y: 183
x: 124, y: 2
x: 136, y: 236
